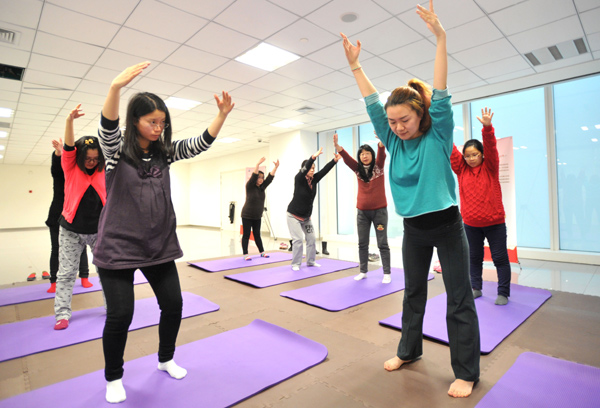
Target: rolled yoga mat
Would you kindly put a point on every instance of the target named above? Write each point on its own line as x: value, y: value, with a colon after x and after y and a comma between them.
x: 283, y: 274
x: 343, y: 293
x: 495, y: 322
x: 30, y: 293
x: 36, y: 335
x: 237, y: 262
x: 222, y: 370
x: 538, y: 381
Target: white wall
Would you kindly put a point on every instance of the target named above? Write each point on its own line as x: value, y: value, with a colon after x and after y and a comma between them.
x: 21, y: 209
x: 18, y: 207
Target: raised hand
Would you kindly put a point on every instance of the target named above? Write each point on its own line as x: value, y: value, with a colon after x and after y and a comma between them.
x: 352, y: 51
x: 338, y: 148
x: 75, y: 113
x: 58, y: 146
x: 317, y: 154
x: 262, y: 159
x: 129, y: 74
x: 276, y: 163
x: 429, y: 16
x: 225, y: 105
x: 337, y: 157
x: 486, y: 117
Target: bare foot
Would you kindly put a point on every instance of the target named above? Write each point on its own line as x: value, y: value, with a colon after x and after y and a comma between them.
x: 394, y: 363
x: 460, y: 388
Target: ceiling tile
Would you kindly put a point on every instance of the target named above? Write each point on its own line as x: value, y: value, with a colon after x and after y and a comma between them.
x: 236, y: 71
x: 302, y: 38
x: 376, y: 67
x: 50, y: 80
x: 274, y: 82
x: 471, y: 34
x: 58, y: 47
x: 331, y: 99
x: 24, y: 37
x: 57, y: 66
x: 505, y: 66
x: 256, y: 18
x: 334, y: 81
x: 300, y: 8
x: 206, y: 9
x: 88, y: 99
x: 215, y: 84
x: 462, y: 78
x: 594, y: 41
x: 333, y: 56
x: 195, y: 59
x: 397, y: 6
x: 491, y: 6
x: 142, y: 45
x: 251, y: 93
x: 155, y: 86
x: 303, y: 70
x: 103, y: 75
x: 378, y: 39
x: 410, y: 55
x: 118, y: 61
x: 329, y: 16
x: 174, y: 74
x: 590, y: 19
x: 485, y: 53
x: 173, y: 24
x: 14, y: 57
x: 304, y: 91
x: 195, y: 94
x: 24, y: 13
x: 231, y: 43
x: 547, y: 35
x: 530, y: 14
x: 10, y: 85
x: 84, y: 28
x: 115, y: 11
x: 392, y: 81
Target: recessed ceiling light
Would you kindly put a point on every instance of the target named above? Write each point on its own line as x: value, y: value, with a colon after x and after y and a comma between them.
x: 228, y: 140
x: 181, y: 104
x: 5, y: 112
x: 349, y: 17
x: 287, y: 123
x: 3, y: 133
x: 267, y: 57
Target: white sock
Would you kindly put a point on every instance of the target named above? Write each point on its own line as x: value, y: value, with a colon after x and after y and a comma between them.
x: 387, y: 278
x: 115, y: 392
x: 360, y: 276
x: 173, y: 369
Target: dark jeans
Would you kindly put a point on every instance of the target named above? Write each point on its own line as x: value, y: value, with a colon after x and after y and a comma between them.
x: 253, y: 225
x: 496, y: 236
x: 118, y: 289
x: 379, y: 219
x: 84, y: 268
x: 461, y: 315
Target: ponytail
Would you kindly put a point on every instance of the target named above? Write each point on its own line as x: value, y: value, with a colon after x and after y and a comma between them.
x: 417, y: 95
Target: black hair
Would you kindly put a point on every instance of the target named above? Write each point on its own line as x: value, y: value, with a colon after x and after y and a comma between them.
x: 473, y: 143
x: 82, y: 145
x: 365, y: 173
x: 139, y: 105
x: 261, y: 172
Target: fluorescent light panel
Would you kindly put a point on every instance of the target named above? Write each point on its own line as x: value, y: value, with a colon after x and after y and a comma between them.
x: 267, y: 57
x: 3, y: 134
x: 181, y: 104
x: 5, y: 112
x: 287, y: 123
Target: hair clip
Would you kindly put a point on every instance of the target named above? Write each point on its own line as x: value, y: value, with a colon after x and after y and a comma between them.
x: 89, y: 141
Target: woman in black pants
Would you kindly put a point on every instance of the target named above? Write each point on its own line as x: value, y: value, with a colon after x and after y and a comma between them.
x: 254, y: 206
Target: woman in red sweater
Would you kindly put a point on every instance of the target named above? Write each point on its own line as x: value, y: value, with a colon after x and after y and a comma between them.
x: 371, y: 204
x: 481, y: 206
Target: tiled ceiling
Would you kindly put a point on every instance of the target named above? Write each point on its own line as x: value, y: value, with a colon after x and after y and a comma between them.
x: 72, y: 49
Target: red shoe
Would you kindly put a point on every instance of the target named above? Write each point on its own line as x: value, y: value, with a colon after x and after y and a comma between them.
x: 86, y: 283
x: 31, y: 277
x: 437, y: 267
x: 61, y: 324
x: 45, y: 275
x: 52, y: 288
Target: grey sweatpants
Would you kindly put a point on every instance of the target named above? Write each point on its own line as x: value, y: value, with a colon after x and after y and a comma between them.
x: 297, y: 229
x: 70, y: 246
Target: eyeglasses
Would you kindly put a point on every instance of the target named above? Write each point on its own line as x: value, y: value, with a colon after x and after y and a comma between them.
x: 473, y: 157
x: 91, y: 160
x: 161, y: 125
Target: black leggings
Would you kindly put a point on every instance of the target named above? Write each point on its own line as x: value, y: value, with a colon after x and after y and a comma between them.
x: 253, y: 225
x: 118, y: 289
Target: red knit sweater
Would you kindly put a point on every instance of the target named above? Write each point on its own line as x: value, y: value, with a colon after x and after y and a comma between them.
x: 479, y: 187
x: 76, y: 184
x: 371, y: 195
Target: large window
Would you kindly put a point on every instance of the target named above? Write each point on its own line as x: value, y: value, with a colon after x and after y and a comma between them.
x: 577, y: 126
x: 522, y: 116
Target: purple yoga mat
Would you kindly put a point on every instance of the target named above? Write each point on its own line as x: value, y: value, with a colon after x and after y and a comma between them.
x: 495, y: 322
x: 343, y: 293
x: 222, y: 370
x: 36, y: 335
x: 237, y: 262
x: 538, y: 381
x: 30, y: 293
x: 283, y: 274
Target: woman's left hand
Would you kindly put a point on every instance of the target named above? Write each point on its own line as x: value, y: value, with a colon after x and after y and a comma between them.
x: 225, y: 105
x: 337, y: 157
x: 429, y: 16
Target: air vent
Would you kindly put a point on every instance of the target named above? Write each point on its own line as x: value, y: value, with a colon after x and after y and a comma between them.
x: 7, y: 36
x: 11, y: 72
x: 4, y: 125
x: 564, y: 50
x: 305, y: 109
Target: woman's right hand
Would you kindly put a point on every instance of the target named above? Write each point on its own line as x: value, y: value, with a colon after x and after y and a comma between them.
x: 352, y: 51
x: 262, y: 159
x: 129, y: 74
x: 317, y: 154
x: 338, y: 148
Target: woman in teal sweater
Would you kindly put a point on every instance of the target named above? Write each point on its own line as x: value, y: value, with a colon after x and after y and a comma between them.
x: 416, y: 126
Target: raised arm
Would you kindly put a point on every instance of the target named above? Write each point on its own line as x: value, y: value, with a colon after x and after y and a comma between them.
x: 490, y: 148
x: 261, y: 161
x: 275, y: 167
x: 440, y: 70
x: 225, y: 106
x: 69, y: 130
x: 352, y: 52
x: 110, y: 110
x: 338, y: 148
x: 58, y: 147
